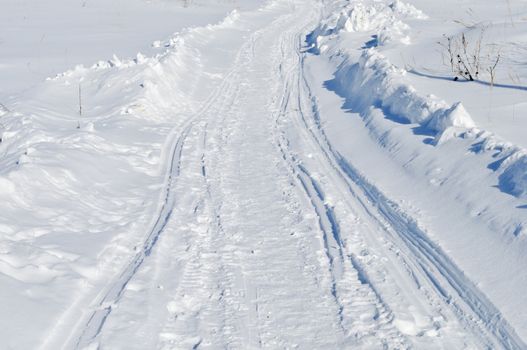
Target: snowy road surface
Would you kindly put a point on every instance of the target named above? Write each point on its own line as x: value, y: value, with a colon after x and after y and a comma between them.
x: 264, y: 232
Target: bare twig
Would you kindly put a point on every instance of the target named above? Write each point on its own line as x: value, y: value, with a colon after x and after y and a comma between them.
x: 80, y: 100
x: 492, y: 69
x: 465, y: 56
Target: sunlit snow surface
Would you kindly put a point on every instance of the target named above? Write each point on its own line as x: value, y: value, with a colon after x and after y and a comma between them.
x: 260, y: 174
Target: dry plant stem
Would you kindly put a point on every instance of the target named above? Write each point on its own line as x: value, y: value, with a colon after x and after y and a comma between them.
x: 465, y: 57
x: 464, y: 70
x: 80, y: 106
x: 492, y: 69
x: 450, y: 51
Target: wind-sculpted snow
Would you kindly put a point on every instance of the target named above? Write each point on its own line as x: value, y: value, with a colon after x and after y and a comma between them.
x: 373, y: 81
x: 514, y: 177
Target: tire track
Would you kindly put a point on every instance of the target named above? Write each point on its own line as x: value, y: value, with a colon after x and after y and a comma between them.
x: 91, y: 328
x: 354, y: 294
x: 434, y: 268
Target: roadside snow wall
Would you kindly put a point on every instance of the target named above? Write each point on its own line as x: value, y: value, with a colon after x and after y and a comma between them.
x: 372, y: 81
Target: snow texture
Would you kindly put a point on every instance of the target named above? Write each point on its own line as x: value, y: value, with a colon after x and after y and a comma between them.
x: 262, y: 174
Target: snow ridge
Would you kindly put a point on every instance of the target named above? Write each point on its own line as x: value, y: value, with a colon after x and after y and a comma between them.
x: 376, y: 90
x: 373, y: 81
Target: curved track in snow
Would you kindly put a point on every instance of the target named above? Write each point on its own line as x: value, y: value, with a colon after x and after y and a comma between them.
x: 273, y: 239
x: 426, y: 266
x: 90, y: 329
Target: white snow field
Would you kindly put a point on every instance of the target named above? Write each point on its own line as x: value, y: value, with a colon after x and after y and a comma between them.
x: 279, y: 174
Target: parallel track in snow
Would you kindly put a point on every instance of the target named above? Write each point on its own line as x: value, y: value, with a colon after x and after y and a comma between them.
x: 292, y: 243
x: 104, y: 306
x: 89, y: 328
x: 349, y: 286
x: 423, y: 257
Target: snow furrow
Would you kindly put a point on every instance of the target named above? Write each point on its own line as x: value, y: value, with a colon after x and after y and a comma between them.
x: 111, y: 297
x: 362, y: 313
x: 103, y: 307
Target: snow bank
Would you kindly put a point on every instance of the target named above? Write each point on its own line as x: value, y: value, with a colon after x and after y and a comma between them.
x: 510, y: 164
x: 383, y: 20
x: 93, y: 178
x: 373, y: 81
x: 514, y: 178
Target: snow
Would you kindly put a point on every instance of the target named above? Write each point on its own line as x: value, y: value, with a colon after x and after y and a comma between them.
x: 42, y: 38
x: 462, y: 159
x: 373, y: 81
x: 260, y: 174
x: 514, y: 178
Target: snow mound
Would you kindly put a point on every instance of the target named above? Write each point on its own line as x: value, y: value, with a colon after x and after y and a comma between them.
x: 363, y: 18
x: 385, y: 22
x: 455, y: 116
x: 229, y: 20
x: 407, y: 10
x: 514, y: 178
x: 368, y: 16
x: 510, y: 163
x: 375, y: 81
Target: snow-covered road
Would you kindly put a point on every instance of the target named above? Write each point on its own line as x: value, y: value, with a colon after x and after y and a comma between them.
x: 264, y: 233
x: 268, y: 261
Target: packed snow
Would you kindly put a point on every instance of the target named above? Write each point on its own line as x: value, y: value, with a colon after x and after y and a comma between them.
x: 278, y: 174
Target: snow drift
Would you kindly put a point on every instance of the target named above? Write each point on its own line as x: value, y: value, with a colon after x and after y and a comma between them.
x: 372, y: 80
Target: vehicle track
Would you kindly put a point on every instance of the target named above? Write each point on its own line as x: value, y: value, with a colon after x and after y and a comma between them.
x: 376, y: 263
x: 89, y: 329
x: 423, y: 258
x: 354, y: 294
